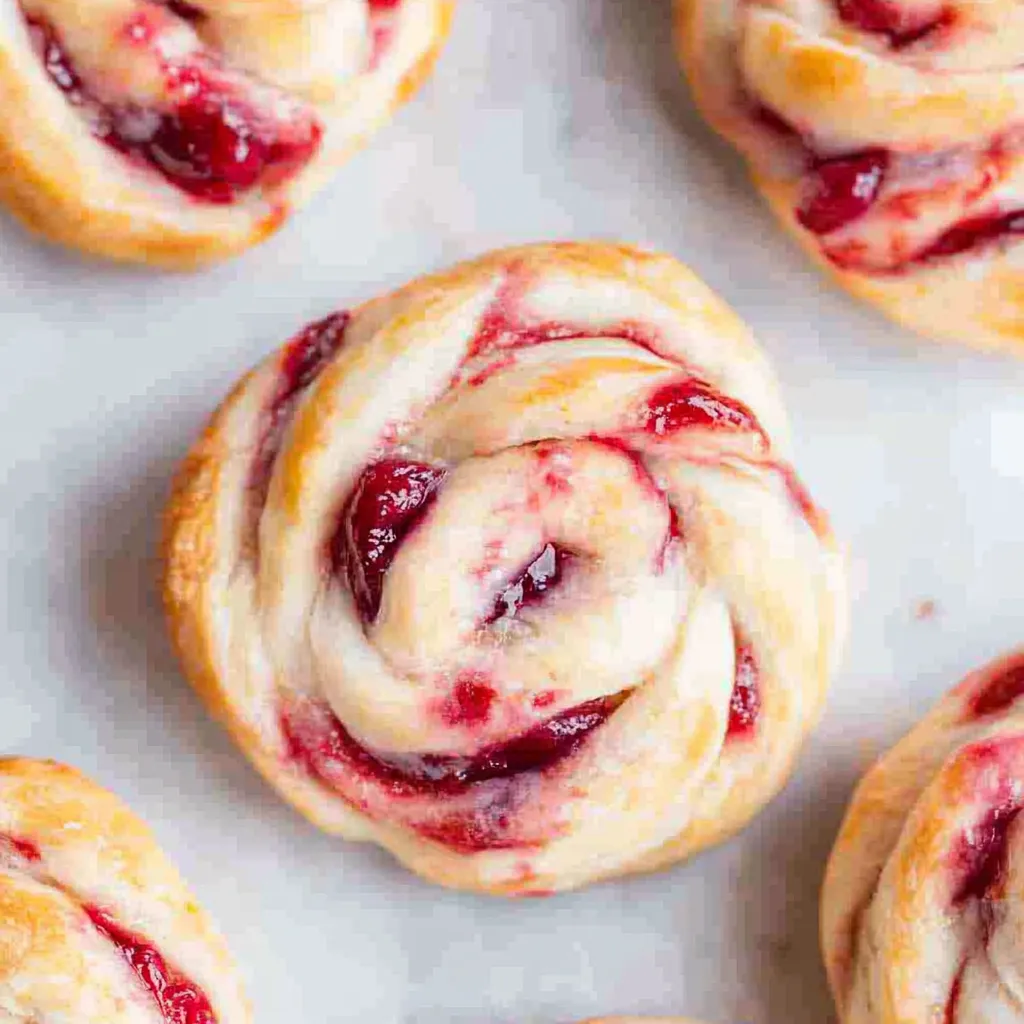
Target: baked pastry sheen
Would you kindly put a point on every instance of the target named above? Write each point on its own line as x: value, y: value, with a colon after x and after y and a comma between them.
x: 96, y: 926
x: 177, y: 132
x: 921, y: 909
x: 508, y: 572
x: 886, y: 134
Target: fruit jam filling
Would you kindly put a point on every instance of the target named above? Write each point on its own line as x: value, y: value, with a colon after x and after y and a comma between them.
x: 209, y: 139
x: 181, y: 1001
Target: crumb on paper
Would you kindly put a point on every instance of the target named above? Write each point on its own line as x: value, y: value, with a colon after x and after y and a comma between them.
x: 925, y: 610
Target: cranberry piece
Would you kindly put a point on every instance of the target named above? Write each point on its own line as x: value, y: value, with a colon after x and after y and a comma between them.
x: 693, y: 404
x: 980, y: 856
x: 212, y: 144
x: 1000, y: 692
x: 840, y: 190
x: 180, y: 1001
x: 470, y: 701
x: 889, y: 18
x: 745, y: 703
x: 387, y: 502
x: 530, y: 586
x: 209, y: 149
x: 973, y: 234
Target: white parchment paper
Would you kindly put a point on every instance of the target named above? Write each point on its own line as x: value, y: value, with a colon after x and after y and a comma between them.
x: 547, y: 118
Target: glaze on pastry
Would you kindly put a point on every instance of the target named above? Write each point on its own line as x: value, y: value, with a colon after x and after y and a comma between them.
x: 176, y: 132
x: 508, y: 571
x: 886, y: 134
x: 96, y: 926
x: 921, y: 908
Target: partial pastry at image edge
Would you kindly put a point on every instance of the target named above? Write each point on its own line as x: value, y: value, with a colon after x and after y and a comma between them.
x: 97, y: 926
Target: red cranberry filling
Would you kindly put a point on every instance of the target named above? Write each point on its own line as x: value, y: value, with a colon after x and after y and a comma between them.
x: 692, y: 403
x: 320, y: 742
x: 953, y: 1004
x: 213, y: 144
x: 745, y: 703
x: 980, y: 856
x: 973, y: 233
x: 23, y: 848
x: 308, y: 354
x: 502, y: 327
x: 470, y: 701
x: 183, y: 10
x: 530, y: 586
x: 303, y: 361
x: 891, y: 19
x: 840, y: 190
x: 1000, y: 692
x: 180, y: 1000
x: 388, y: 500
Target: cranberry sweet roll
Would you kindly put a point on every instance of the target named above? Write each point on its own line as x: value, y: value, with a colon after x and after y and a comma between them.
x: 885, y: 135
x: 508, y: 571
x: 176, y: 132
x: 96, y: 926
x: 921, y: 910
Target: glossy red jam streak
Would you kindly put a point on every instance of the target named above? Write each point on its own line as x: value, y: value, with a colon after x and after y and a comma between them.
x: 387, y: 502
x: 999, y: 692
x: 892, y: 19
x: 180, y: 1000
x: 211, y: 142
x: 503, y: 326
x: 745, y: 703
x: 23, y: 848
x: 971, y: 234
x: 530, y: 586
x: 325, y: 747
x: 979, y: 858
x: 839, y: 191
x: 692, y: 404
x: 302, y: 362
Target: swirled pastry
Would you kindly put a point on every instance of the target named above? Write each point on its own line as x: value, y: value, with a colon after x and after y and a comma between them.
x: 886, y: 134
x: 176, y: 132
x: 96, y: 926
x: 508, y: 571
x: 921, y: 908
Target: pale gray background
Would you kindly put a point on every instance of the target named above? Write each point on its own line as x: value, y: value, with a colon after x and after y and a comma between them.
x: 547, y: 118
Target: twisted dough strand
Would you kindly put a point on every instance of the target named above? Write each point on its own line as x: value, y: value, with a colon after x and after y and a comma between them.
x: 95, y: 924
x: 507, y: 571
x: 886, y: 134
